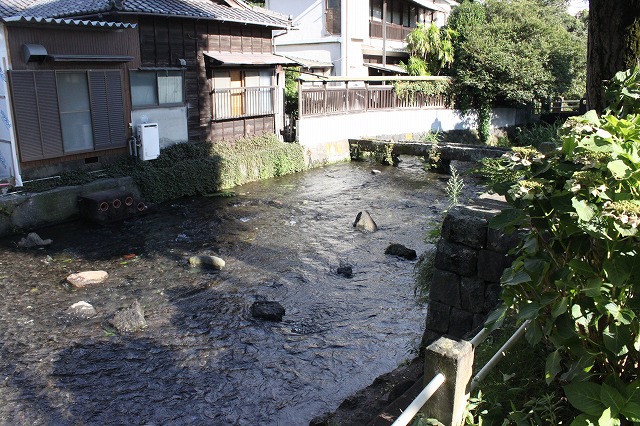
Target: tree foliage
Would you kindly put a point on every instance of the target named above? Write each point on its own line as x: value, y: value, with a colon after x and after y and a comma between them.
x: 516, y: 51
x: 430, y: 49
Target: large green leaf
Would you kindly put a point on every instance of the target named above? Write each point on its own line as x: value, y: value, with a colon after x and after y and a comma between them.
x: 608, y: 418
x: 585, y: 396
x: 560, y: 307
x: 534, y: 333
x: 592, y: 287
x: 616, y: 338
x: 612, y: 399
x: 618, y: 168
x: 584, y: 210
x: 517, y: 278
x: 496, y: 318
x: 618, y: 270
x: 552, y: 365
x: 584, y: 420
x: 591, y: 117
x: 529, y: 311
x: 631, y: 411
x: 507, y: 217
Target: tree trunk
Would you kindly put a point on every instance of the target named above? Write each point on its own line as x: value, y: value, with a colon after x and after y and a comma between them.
x: 614, y: 44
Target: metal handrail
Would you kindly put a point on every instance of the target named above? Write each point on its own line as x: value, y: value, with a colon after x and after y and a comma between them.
x: 420, y: 400
x: 498, y: 355
x: 439, y: 379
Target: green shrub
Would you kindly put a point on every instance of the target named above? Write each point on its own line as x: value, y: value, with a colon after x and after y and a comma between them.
x: 536, y: 134
x: 197, y: 169
x: 262, y: 157
x: 577, y: 274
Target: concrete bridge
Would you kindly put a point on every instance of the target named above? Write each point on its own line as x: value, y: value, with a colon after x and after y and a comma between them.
x: 447, y: 151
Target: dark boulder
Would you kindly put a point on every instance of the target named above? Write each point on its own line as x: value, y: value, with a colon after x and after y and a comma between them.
x: 345, y: 270
x: 401, y: 251
x: 270, y: 311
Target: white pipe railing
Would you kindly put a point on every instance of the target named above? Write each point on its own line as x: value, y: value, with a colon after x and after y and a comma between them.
x: 439, y: 379
x: 498, y: 355
x: 419, y: 401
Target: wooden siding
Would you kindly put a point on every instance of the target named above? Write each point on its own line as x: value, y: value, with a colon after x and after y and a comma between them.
x: 77, y: 41
x: 165, y: 40
x: 73, y: 41
x: 234, y: 129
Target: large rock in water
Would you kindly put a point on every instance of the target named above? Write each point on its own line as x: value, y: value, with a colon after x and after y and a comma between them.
x: 401, y: 251
x: 33, y: 240
x: 206, y: 261
x: 83, y: 279
x: 365, y: 222
x: 270, y: 311
x: 129, y: 319
x: 82, y: 309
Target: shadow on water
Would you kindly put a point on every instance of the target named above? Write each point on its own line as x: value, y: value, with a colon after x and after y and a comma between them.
x: 203, y: 359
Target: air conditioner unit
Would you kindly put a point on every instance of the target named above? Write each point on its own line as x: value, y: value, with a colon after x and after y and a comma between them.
x: 149, y: 141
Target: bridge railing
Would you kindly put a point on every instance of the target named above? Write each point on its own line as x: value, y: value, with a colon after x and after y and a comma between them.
x: 560, y: 105
x: 334, y: 95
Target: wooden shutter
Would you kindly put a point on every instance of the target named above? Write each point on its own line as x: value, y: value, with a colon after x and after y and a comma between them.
x: 107, y: 109
x: 37, y: 118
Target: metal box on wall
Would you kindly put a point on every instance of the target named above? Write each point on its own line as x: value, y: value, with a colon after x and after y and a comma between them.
x: 149, y: 141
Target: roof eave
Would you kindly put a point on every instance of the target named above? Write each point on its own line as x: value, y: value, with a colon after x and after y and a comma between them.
x: 208, y: 18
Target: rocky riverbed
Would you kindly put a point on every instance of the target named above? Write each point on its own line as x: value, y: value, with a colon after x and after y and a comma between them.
x: 201, y: 356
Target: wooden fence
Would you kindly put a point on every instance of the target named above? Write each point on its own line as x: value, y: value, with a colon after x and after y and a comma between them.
x: 324, y: 100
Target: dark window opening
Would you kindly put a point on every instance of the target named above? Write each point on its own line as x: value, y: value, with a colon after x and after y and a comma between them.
x: 333, y: 22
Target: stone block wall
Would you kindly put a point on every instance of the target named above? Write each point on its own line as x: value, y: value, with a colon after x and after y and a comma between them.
x: 469, y: 262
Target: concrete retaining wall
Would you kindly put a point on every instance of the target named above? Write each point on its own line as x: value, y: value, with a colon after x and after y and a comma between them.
x: 325, y: 137
x: 469, y: 262
x: 23, y: 212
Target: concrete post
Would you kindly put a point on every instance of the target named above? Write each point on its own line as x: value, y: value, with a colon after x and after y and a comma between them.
x: 454, y: 359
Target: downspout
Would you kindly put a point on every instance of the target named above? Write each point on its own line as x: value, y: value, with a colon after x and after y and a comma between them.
x: 344, y: 29
x: 280, y: 82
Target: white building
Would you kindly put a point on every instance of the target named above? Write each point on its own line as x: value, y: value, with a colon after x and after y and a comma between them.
x: 353, y: 38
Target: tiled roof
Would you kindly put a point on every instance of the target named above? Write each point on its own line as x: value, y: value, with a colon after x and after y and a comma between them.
x: 218, y: 10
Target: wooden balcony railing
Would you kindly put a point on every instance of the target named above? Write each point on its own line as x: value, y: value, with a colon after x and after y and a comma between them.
x: 242, y: 102
x: 394, y: 31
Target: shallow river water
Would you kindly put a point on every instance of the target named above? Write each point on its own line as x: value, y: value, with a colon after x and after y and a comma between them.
x: 203, y: 359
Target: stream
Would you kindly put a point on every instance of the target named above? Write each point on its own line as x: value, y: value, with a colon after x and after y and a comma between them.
x: 203, y: 359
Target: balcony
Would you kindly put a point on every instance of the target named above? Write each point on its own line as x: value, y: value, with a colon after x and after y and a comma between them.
x: 241, y: 102
x: 394, y: 31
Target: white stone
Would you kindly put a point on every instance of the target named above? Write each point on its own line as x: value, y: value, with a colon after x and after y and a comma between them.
x: 207, y: 261
x: 82, y: 309
x: 83, y: 279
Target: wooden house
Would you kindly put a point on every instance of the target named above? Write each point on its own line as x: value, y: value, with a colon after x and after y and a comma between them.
x: 78, y: 79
